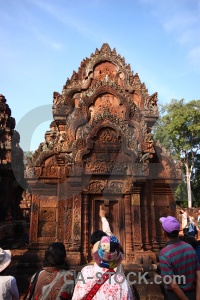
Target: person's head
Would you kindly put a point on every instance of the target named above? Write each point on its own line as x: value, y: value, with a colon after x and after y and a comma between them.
x: 107, y: 252
x: 171, y: 226
x: 190, y: 240
x: 96, y: 237
x: 185, y: 231
x: 5, y: 259
x: 55, y: 256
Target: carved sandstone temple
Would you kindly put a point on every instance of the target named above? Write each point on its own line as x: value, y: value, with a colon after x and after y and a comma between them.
x: 99, y: 151
x: 11, y: 164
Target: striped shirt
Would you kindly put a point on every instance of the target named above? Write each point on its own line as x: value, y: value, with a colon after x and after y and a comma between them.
x: 179, y: 258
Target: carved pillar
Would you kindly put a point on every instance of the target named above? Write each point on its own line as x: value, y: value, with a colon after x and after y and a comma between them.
x: 61, y: 215
x: 77, y: 223
x: 128, y: 228
x: 68, y: 223
x: 164, y: 205
x: 61, y: 220
x: 85, y: 224
x: 146, y: 222
x: 136, y: 225
x: 73, y: 222
x: 34, y: 220
x: 152, y: 215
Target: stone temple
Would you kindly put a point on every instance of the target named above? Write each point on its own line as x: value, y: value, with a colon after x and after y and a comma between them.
x: 100, y: 150
x: 11, y: 167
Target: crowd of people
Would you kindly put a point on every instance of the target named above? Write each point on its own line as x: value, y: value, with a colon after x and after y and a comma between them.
x: 179, y: 261
x: 180, y: 258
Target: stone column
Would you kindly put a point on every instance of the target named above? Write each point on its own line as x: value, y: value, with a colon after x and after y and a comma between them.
x: 136, y: 225
x: 128, y: 228
x: 33, y: 238
x: 152, y: 216
x: 146, y: 217
x: 84, y: 227
x: 73, y: 222
x: 164, y: 205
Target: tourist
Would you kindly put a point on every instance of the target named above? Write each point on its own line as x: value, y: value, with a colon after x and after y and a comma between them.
x: 8, y: 285
x: 198, y: 219
x: 98, y: 234
x: 193, y: 242
x: 107, y: 255
x: 178, y: 258
x: 105, y: 290
x: 191, y: 228
x: 184, y: 218
x: 55, y: 281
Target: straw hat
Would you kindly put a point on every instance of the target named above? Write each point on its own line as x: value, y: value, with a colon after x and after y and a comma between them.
x: 5, y: 259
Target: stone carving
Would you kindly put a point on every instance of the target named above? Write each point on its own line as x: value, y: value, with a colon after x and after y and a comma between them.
x: 151, y: 104
x: 108, y: 186
x: 61, y: 220
x: 96, y: 186
x: 25, y: 203
x: 68, y: 223
x: 99, y: 149
x: 29, y: 168
x: 116, y: 187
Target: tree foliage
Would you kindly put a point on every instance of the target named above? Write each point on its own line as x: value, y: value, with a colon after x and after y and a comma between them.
x: 178, y: 130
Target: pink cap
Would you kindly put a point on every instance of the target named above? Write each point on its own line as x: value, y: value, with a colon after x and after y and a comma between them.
x: 170, y: 224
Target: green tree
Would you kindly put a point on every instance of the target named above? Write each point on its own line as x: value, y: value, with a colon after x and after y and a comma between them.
x: 195, y: 182
x: 178, y: 129
x: 181, y: 194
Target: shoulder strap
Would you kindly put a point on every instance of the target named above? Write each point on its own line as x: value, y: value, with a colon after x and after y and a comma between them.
x: 33, y: 285
x: 98, y: 284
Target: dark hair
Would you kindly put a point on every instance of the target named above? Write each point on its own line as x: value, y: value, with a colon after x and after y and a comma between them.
x: 55, y: 256
x: 173, y: 234
x: 190, y: 240
x: 4, y: 272
x: 96, y: 236
x: 185, y: 231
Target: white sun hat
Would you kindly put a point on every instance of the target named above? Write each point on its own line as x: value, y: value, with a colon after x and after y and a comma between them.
x: 5, y: 259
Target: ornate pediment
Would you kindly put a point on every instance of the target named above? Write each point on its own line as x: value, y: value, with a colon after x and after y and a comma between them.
x: 103, y: 106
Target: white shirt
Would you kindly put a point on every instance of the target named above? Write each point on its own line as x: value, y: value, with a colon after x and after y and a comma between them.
x: 115, y: 288
x: 8, y: 288
x: 112, y: 289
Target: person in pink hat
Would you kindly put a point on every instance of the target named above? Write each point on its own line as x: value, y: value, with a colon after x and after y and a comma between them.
x: 8, y: 285
x: 179, y: 265
x: 108, y: 255
x: 103, y: 279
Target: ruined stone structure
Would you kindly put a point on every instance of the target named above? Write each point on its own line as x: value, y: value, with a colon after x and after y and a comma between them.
x: 100, y: 151
x: 11, y: 163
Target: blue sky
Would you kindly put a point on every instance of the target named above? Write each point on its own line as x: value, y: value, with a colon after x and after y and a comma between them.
x: 43, y: 41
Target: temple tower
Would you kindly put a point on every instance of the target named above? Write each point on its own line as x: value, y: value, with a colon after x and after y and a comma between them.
x: 11, y: 164
x: 99, y: 150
